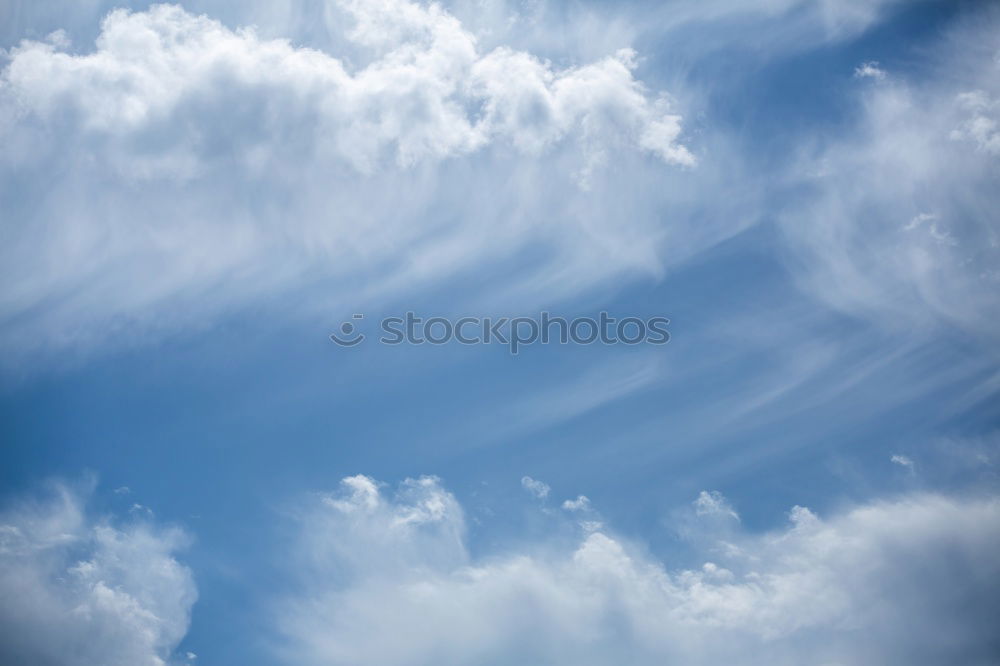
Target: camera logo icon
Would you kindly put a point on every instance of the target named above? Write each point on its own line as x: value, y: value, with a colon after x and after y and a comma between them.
x: 349, y: 335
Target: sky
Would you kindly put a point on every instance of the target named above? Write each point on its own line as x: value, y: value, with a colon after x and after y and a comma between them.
x: 195, y: 196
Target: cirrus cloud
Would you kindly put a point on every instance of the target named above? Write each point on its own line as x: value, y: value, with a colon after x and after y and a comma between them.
x: 899, y: 222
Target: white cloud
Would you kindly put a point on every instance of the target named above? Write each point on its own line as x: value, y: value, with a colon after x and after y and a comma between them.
x: 902, y: 461
x: 182, y: 167
x: 421, y: 525
x: 538, y: 489
x: 713, y: 503
x: 429, y: 95
x: 581, y: 503
x: 78, y: 591
x: 189, y: 168
x: 980, y: 124
x: 901, y: 223
x: 911, y: 581
x: 869, y: 70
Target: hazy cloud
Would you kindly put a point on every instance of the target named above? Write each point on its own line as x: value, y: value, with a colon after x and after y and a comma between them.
x: 869, y: 70
x: 900, y: 224
x: 539, y: 489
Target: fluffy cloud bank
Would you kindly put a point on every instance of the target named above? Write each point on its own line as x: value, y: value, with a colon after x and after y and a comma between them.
x: 81, y: 592
x: 182, y: 168
x: 427, y: 94
x: 912, y: 581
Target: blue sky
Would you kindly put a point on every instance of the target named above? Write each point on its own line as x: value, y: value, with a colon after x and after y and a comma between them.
x: 196, y: 195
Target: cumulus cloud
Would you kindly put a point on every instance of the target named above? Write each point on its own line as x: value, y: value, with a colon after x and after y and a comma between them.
x: 850, y: 589
x: 189, y: 167
x: 78, y: 591
x: 428, y: 95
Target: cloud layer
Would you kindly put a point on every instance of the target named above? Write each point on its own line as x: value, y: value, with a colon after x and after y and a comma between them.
x: 182, y: 169
x: 190, y: 167
x: 910, y: 581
